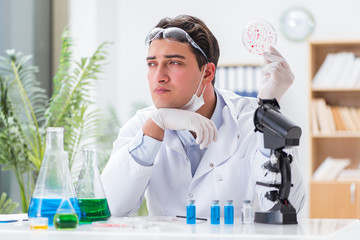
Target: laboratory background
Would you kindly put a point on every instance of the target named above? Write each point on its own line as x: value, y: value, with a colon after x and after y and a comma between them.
x: 322, y: 27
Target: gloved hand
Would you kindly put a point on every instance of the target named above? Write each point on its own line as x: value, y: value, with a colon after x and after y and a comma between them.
x: 177, y: 119
x: 277, y: 76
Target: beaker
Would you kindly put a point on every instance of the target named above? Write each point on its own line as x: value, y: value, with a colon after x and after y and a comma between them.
x: 48, y: 191
x: 89, y: 190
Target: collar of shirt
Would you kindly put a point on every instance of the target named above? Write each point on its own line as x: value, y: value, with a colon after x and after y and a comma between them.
x: 187, y: 138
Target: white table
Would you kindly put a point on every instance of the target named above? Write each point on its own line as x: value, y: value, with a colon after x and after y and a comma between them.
x: 150, y: 228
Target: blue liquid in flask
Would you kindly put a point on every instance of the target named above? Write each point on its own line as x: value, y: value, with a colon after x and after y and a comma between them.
x: 47, y: 207
x: 54, y: 180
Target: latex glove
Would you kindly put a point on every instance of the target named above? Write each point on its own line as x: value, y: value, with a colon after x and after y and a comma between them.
x: 177, y: 119
x: 277, y: 75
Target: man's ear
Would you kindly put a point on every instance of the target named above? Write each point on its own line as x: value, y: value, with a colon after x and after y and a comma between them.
x: 209, y: 73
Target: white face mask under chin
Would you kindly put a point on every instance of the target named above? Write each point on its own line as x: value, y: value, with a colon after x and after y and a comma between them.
x: 196, y: 102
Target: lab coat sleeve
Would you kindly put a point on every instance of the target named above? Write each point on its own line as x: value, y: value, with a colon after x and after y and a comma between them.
x: 144, y: 149
x: 124, y: 179
x: 297, y: 192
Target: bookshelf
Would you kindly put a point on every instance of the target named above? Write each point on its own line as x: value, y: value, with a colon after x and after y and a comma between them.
x: 333, y: 199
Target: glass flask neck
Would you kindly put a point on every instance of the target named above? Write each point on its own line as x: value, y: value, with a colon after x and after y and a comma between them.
x: 90, y: 157
x: 55, y: 138
x: 89, y: 184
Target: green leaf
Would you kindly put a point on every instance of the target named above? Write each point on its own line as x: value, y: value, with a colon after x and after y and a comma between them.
x: 3, y: 198
x: 11, y: 208
x: 27, y: 99
x: 6, y: 168
x: 75, y: 88
x: 7, y: 206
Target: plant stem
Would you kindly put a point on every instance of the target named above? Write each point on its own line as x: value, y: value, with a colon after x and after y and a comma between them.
x: 24, y: 200
x: 19, y: 178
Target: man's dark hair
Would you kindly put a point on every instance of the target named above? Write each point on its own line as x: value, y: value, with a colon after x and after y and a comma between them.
x: 200, y: 33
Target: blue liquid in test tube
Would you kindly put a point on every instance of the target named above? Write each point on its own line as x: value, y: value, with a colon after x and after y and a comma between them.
x: 191, y: 212
x: 215, y: 212
x: 229, y: 212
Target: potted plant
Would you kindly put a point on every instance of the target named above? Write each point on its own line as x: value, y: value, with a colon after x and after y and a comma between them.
x: 26, y: 111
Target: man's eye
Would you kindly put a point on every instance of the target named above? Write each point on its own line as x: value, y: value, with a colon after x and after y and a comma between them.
x: 151, y: 64
x: 174, y: 63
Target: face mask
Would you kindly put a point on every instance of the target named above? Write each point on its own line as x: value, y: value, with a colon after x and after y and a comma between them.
x: 196, y: 102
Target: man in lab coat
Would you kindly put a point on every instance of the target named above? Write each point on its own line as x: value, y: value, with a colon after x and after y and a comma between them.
x: 196, y: 142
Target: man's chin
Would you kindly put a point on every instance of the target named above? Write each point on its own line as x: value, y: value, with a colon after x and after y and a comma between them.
x: 166, y: 106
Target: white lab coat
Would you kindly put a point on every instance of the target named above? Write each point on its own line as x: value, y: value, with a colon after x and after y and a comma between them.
x: 228, y: 170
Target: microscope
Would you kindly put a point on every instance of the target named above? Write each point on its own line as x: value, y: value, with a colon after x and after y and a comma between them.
x: 279, y: 133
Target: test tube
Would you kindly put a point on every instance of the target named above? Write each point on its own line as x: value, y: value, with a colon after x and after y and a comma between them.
x: 215, y: 212
x: 229, y: 212
x: 246, y: 212
x: 191, y: 212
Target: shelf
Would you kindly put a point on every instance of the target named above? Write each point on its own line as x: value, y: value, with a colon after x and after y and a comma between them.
x: 334, y: 199
x: 338, y: 97
x: 338, y: 135
x: 333, y: 182
x: 336, y: 90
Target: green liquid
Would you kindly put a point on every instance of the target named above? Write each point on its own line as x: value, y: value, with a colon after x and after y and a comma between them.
x: 93, y: 210
x: 65, y: 221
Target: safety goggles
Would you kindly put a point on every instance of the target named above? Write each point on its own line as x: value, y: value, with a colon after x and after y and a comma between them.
x: 174, y: 34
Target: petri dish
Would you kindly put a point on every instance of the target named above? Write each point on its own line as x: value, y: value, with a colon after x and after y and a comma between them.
x: 38, y: 223
x: 258, y: 36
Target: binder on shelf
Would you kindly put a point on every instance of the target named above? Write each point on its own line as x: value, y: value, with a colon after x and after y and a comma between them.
x: 332, y: 119
x: 348, y: 120
x: 330, y: 168
x: 320, y: 77
x: 339, y: 122
x: 324, y: 116
x: 242, y: 79
x: 349, y: 175
x: 339, y: 70
x: 345, y: 68
x: 355, y: 118
x: 315, y: 121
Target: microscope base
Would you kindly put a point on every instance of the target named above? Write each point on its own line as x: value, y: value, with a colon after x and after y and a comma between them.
x: 279, y: 214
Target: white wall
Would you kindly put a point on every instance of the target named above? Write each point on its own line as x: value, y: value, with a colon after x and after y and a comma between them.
x: 128, y: 21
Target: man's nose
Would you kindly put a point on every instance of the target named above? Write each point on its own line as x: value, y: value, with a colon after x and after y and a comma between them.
x: 161, y: 74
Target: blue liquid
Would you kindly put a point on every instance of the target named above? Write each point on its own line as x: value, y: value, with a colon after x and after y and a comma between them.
x: 48, y: 207
x: 190, y: 214
x: 215, y: 214
x: 229, y: 214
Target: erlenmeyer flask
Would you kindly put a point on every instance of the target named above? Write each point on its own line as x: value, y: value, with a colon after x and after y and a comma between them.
x: 69, y: 186
x: 92, y: 200
x: 48, y: 192
x: 65, y: 217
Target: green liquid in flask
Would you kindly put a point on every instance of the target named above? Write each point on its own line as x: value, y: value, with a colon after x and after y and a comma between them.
x: 93, y: 210
x: 65, y: 221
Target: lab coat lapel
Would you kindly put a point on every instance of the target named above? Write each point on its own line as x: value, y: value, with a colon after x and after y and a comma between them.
x: 224, y: 147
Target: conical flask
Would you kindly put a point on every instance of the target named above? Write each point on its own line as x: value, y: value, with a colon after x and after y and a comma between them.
x: 92, y: 200
x: 65, y: 217
x: 48, y: 191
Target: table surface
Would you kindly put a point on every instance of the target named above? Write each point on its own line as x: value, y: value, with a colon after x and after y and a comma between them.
x: 176, y: 229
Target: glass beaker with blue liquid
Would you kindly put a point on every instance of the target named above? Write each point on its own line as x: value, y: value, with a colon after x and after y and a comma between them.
x: 54, y: 172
